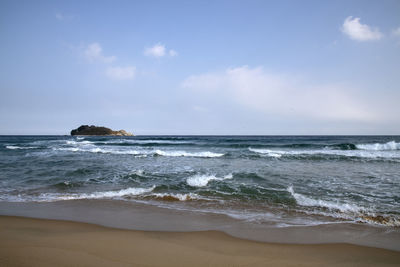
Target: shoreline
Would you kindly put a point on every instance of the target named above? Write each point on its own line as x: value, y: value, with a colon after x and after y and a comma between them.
x: 42, y: 242
x: 146, y: 217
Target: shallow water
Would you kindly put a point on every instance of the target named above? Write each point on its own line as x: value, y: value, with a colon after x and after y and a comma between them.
x: 279, y: 181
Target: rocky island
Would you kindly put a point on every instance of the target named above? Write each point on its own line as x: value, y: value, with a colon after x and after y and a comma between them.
x: 98, y: 130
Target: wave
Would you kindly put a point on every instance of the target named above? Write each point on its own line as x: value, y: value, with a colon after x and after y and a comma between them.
x: 306, y: 201
x: 392, y: 145
x: 72, y: 142
x: 345, y: 210
x: 271, y: 153
x: 202, y: 180
x: 173, y: 153
x: 132, y: 191
x: 342, y: 153
x: 174, y: 196
x: 21, y: 147
x: 101, y: 150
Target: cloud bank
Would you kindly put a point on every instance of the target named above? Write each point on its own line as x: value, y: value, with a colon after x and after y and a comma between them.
x: 272, y: 94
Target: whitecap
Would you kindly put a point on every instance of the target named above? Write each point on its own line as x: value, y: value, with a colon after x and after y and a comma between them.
x: 392, y: 145
x: 101, y: 150
x: 131, y: 191
x: 271, y: 153
x: 344, y: 153
x: 202, y: 180
x: 307, y: 201
x: 175, y: 153
x: 21, y: 147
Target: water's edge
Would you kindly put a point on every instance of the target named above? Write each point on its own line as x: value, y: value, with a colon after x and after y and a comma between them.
x: 137, y: 216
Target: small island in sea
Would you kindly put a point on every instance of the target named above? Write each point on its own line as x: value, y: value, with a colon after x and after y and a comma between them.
x: 98, y: 130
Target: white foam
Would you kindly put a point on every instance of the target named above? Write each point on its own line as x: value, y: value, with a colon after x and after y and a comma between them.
x: 72, y: 142
x: 21, y: 147
x: 202, y: 180
x: 392, y: 145
x: 175, y: 153
x: 345, y: 153
x: 132, y: 191
x: 271, y: 153
x: 133, y: 141
x: 178, y: 196
x: 101, y: 150
x: 306, y: 201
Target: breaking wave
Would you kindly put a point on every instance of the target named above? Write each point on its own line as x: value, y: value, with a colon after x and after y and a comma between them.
x: 21, y: 147
x: 271, y: 153
x: 392, y: 145
x: 369, y: 154
x: 306, y: 201
x: 172, y: 153
x: 202, y: 180
x: 344, y: 210
x: 132, y: 191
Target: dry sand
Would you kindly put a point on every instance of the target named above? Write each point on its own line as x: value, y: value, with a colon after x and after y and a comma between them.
x: 38, y: 242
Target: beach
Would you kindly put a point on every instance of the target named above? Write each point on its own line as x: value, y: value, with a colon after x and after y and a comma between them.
x: 39, y: 242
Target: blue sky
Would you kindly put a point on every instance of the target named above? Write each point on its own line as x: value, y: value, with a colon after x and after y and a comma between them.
x: 200, y: 67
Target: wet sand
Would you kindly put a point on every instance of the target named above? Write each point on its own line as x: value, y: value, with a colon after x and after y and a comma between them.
x: 39, y: 242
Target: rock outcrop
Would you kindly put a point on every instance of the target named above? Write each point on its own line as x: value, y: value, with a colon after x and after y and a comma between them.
x: 96, y: 130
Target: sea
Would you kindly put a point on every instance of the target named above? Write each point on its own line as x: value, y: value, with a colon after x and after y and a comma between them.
x: 263, y: 182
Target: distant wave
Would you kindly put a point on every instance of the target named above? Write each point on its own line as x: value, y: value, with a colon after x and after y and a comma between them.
x: 21, y: 147
x: 371, y: 154
x: 271, y: 153
x: 101, y: 150
x: 173, y: 153
x: 72, y: 142
x: 168, y: 153
x: 202, y: 180
x: 392, y: 145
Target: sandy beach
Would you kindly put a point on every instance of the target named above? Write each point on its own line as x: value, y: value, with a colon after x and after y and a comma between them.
x: 38, y: 242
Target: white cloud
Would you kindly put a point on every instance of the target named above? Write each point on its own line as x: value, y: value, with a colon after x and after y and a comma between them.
x: 94, y: 53
x: 272, y: 94
x: 121, y: 73
x: 159, y: 50
x: 360, y: 32
x: 172, y: 53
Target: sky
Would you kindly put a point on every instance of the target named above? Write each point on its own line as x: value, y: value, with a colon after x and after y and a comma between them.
x: 201, y: 67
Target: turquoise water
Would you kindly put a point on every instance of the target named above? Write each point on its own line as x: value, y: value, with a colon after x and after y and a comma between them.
x: 276, y: 180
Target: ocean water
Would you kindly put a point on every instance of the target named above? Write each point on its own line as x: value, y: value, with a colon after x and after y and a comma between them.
x: 278, y: 181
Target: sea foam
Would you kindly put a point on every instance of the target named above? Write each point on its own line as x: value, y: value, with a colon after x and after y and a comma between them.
x: 307, y: 201
x: 21, y: 147
x: 392, y: 145
x: 371, y: 154
x: 175, y: 196
x: 202, y: 180
x: 132, y: 191
x: 175, y: 153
